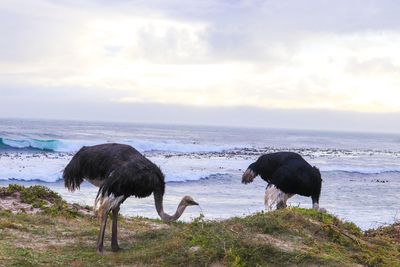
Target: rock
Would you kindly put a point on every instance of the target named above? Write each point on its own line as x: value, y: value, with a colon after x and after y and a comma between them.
x: 194, y: 249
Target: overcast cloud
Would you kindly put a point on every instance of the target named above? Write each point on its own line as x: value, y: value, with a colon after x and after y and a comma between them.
x: 253, y: 58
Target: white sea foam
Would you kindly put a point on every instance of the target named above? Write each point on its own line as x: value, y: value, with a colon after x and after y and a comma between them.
x: 48, y: 166
x: 29, y: 167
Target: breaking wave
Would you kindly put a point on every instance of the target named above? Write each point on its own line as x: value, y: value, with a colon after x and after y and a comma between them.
x: 30, y: 144
x: 75, y: 145
x: 54, y: 177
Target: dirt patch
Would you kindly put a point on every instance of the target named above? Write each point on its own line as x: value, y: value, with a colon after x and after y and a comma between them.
x: 14, y: 204
x: 156, y: 226
x: 82, y: 210
x: 285, y: 245
x: 144, y: 225
x: 23, y: 239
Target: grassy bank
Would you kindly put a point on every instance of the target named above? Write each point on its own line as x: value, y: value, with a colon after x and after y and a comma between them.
x: 65, y: 235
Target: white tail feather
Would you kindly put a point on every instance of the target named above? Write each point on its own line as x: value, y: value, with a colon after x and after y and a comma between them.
x: 248, y: 176
x: 106, y: 203
x: 273, y: 196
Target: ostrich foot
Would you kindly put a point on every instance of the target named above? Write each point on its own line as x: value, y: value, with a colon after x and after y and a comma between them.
x: 317, y: 208
x: 116, y: 248
x: 100, y: 251
x: 281, y: 205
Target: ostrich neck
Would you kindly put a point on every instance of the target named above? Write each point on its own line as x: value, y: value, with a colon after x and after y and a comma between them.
x: 158, y: 199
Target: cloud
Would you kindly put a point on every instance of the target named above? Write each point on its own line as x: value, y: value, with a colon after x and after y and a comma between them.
x: 316, y: 55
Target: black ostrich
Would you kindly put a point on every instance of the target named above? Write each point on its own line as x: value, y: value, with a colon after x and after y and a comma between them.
x: 287, y: 174
x: 120, y: 171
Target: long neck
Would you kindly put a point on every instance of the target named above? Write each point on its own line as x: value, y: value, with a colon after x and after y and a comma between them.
x: 158, y: 199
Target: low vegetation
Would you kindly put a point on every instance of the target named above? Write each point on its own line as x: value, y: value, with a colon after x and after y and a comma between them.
x: 65, y: 235
x: 40, y: 199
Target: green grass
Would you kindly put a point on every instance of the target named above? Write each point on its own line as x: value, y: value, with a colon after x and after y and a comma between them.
x: 294, y: 237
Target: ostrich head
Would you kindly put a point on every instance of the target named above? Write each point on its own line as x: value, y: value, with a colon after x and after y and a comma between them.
x: 185, y: 202
x: 188, y: 201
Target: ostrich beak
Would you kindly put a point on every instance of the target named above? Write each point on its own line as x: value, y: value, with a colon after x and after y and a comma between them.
x: 193, y: 203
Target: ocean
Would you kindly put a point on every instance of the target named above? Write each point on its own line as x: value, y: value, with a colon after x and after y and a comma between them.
x: 360, y: 171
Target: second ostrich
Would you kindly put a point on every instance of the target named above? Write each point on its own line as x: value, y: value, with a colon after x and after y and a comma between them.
x: 287, y: 174
x: 120, y: 171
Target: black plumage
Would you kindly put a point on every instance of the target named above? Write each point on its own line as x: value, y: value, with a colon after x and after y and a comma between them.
x: 120, y: 171
x: 289, y: 172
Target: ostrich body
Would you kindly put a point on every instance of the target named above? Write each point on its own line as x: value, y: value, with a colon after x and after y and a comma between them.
x: 119, y: 171
x: 287, y: 174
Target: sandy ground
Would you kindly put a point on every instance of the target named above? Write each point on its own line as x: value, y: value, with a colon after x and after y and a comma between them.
x: 14, y: 204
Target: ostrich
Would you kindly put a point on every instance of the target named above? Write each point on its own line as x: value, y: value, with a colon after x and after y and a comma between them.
x: 119, y: 171
x: 287, y: 174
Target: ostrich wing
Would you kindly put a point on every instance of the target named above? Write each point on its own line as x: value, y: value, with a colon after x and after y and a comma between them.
x: 138, y: 178
x: 295, y: 177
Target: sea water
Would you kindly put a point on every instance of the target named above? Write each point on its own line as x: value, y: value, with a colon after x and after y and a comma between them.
x: 360, y: 171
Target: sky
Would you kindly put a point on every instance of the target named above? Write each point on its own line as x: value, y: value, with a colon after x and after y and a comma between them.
x: 303, y: 64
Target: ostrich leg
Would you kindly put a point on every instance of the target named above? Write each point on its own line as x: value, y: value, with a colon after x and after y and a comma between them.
x: 315, y: 201
x: 282, y: 203
x: 103, y: 220
x: 114, y: 240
